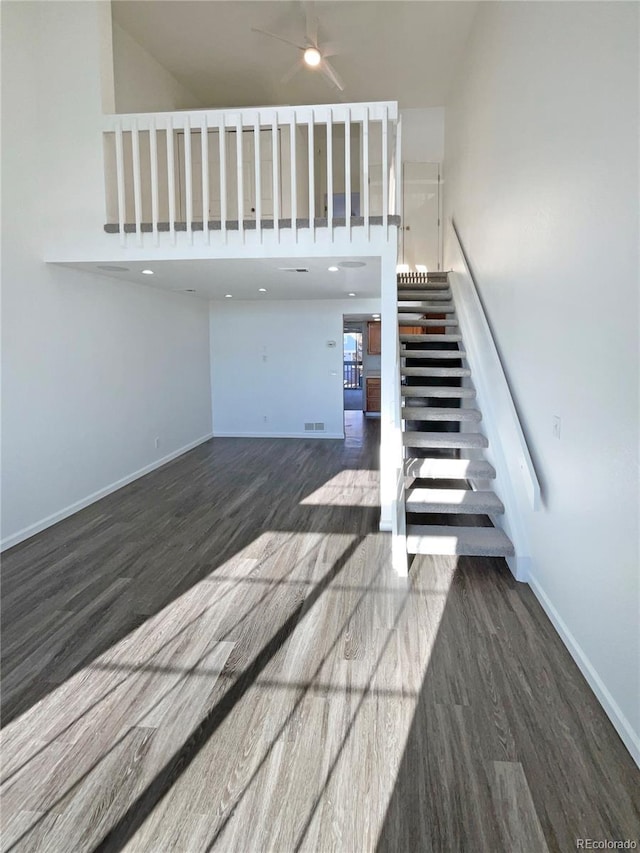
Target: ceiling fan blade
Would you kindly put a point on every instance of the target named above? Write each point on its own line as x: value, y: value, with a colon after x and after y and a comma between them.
x: 291, y: 72
x: 279, y: 38
x: 331, y: 74
x: 331, y: 48
x: 311, y: 28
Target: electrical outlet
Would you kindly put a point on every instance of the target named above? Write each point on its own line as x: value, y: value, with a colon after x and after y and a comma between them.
x: 264, y: 418
x: 556, y: 426
x: 157, y: 442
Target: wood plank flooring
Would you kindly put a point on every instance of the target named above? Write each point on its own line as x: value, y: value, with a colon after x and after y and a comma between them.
x: 219, y: 658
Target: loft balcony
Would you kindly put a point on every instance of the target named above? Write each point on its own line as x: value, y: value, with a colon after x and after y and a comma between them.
x: 211, y: 183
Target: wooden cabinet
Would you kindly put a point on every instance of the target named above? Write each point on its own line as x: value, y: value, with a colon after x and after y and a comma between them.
x: 373, y: 394
x: 373, y: 338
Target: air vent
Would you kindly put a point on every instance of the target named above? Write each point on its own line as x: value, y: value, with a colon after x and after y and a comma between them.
x: 112, y: 268
x: 293, y: 269
x: 319, y: 426
x: 309, y: 427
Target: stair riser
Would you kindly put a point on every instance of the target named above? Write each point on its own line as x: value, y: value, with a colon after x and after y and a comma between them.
x: 427, y: 308
x: 445, y: 440
x: 430, y: 339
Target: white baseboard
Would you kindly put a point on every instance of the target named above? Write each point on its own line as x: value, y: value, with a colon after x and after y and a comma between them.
x: 630, y: 738
x: 54, y: 518
x: 225, y: 434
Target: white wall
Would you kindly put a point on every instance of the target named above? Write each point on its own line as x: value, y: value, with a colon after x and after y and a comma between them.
x: 142, y: 84
x: 92, y: 370
x: 271, y: 359
x: 542, y: 180
x: 423, y: 135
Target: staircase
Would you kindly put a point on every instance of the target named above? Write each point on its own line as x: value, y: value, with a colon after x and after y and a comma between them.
x: 441, y: 435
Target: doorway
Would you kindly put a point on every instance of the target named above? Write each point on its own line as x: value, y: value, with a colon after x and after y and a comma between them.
x: 352, y: 368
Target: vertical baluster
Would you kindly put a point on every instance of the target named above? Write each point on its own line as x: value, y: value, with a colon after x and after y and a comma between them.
x: 294, y: 178
x: 239, y: 175
x: 347, y: 170
x: 171, y: 180
x: 398, y: 206
x: 365, y: 170
x: 330, y: 171
x: 222, y: 148
x: 204, y: 155
x: 258, y: 168
x: 188, y: 191
x: 153, y: 157
x: 312, y: 188
x: 120, y: 182
x: 385, y: 172
x: 275, y: 153
x: 137, y: 184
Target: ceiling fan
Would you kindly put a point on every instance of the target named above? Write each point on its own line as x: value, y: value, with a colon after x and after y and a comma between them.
x: 313, y: 55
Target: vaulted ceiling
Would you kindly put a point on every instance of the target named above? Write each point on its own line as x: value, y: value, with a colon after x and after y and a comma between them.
x: 405, y: 50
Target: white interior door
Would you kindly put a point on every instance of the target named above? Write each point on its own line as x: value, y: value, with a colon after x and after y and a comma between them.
x: 421, y: 215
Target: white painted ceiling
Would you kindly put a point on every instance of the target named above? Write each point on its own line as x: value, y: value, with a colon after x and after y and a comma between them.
x: 242, y: 278
x: 404, y: 50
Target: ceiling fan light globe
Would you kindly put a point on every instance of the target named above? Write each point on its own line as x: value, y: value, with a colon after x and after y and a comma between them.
x: 312, y: 57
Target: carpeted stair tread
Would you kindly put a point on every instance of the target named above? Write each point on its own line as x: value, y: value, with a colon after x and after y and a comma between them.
x: 433, y: 413
x: 433, y: 353
x: 427, y: 308
x: 445, y: 391
x: 426, y: 324
x: 470, y: 541
x: 423, y: 294
x: 411, y: 438
x: 453, y: 501
x: 449, y: 469
x: 435, y: 371
x: 430, y: 339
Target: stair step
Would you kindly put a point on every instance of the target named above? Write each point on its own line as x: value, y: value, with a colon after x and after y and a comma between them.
x: 411, y: 438
x: 422, y: 284
x: 449, y: 469
x: 436, y: 391
x: 427, y: 308
x: 433, y: 353
x: 433, y: 413
x: 463, y: 541
x: 430, y: 339
x: 415, y: 321
x: 435, y: 371
x: 422, y: 293
x: 453, y: 501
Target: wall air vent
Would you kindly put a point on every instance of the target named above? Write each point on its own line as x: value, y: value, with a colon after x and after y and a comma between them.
x: 293, y: 269
x: 309, y: 427
x: 319, y: 426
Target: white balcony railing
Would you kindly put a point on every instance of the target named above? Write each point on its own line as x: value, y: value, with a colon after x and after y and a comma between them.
x: 253, y: 169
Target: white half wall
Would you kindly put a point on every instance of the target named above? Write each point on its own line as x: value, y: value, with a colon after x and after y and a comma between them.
x: 272, y: 369
x: 542, y: 181
x: 93, y: 371
x: 142, y: 84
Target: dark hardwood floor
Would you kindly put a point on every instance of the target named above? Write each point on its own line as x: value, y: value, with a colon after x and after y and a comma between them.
x: 219, y: 657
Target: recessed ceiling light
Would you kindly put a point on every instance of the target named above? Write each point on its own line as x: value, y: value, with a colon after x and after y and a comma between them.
x: 228, y: 295
x: 352, y: 294
x: 262, y: 290
x: 351, y: 265
x: 112, y: 268
x: 147, y: 272
x: 190, y: 290
x: 334, y: 269
x: 376, y: 316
